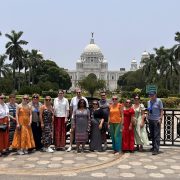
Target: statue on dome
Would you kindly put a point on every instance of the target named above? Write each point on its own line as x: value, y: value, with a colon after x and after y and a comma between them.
x: 92, y: 33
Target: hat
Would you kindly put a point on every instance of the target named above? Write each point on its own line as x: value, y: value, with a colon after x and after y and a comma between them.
x: 152, y: 93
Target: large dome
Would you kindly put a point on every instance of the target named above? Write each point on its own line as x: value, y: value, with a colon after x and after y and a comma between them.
x: 92, y: 48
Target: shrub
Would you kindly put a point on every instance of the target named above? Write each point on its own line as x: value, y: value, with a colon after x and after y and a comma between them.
x: 163, y: 93
x: 25, y: 90
x: 51, y: 93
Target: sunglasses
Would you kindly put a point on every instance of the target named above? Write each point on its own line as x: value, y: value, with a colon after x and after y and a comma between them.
x: 114, y: 99
x: 78, y: 92
x: 128, y: 102
x: 26, y: 98
x: 47, y: 99
x: 35, y: 97
x: 2, y: 98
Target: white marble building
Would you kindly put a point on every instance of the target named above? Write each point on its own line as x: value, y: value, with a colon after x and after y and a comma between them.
x: 93, y: 61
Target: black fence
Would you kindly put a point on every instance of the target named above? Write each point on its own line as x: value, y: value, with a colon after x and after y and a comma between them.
x: 170, y: 127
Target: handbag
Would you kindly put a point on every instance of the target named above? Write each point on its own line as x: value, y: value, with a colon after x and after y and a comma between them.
x: 3, y: 127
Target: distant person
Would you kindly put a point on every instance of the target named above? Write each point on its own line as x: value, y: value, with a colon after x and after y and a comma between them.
x: 61, y: 114
x: 4, y: 125
x: 73, y: 107
x: 46, y: 116
x: 115, y: 121
x: 128, y: 129
x: 12, y: 105
x: 23, y: 136
x: 97, y: 120
x: 104, y: 105
x: 155, y: 115
x: 36, y: 124
x: 81, y: 124
x: 140, y: 133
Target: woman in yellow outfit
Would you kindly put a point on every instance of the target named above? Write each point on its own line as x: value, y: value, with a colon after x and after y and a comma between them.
x: 23, y: 137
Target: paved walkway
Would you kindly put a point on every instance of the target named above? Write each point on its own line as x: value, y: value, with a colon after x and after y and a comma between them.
x: 90, y: 165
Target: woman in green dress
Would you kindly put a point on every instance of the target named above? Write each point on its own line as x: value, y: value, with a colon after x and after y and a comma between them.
x: 140, y: 133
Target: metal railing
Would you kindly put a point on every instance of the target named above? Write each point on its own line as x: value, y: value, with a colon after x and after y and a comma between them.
x: 170, y: 127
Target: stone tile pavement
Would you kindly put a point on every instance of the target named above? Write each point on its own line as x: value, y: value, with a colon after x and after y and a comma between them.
x: 90, y: 165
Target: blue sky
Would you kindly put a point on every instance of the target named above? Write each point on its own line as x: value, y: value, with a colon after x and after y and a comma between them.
x: 61, y: 29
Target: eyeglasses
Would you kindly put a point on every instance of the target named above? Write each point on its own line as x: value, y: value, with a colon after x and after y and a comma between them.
x: 35, y: 97
x: 47, y: 99
x: 60, y: 93
x: 78, y: 92
x: 26, y: 98
x: 2, y: 98
x: 95, y: 103
x: 114, y: 99
x: 103, y: 95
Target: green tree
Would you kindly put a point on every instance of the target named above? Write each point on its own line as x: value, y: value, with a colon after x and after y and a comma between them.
x: 91, y: 84
x: 4, y: 68
x: 150, y: 69
x: 34, y: 61
x: 15, y: 51
x: 176, y: 50
x: 50, y: 71
x: 131, y: 80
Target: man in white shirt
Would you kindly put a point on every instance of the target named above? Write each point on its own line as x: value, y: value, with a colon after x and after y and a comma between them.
x: 61, y: 113
x: 73, y: 107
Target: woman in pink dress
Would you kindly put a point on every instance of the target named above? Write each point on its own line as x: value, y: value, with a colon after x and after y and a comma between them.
x: 128, y: 129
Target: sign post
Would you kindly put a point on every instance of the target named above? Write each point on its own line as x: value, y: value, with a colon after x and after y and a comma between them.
x: 150, y: 88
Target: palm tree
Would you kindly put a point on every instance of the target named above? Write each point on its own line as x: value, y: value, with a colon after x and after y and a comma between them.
x: 35, y: 58
x: 4, y: 68
x: 176, y: 50
x: 26, y: 64
x: 150, y: 69
x: 15, y: 51
x: 166, y: 64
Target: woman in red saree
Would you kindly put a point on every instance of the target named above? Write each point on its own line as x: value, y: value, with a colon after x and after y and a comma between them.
x: 128, y: 130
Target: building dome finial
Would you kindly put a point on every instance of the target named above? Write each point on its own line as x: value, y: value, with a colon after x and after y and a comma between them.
x: 92, y: 38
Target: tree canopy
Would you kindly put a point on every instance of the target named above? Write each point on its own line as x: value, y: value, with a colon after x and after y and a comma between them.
x: 92, y: 84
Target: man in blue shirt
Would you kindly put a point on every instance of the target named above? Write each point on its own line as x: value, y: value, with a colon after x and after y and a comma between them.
x: 155, y: 115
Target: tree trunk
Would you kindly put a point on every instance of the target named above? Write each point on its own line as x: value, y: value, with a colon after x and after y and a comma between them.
x: 19, y: 86
x: 14, y: 79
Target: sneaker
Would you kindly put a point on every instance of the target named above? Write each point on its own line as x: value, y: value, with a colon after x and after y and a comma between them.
x: 20, y: 152
x: 25, y: 151
x: 154, y: 153
x: 69, y: 149
x: 49, y: 150
x: 105, y: 147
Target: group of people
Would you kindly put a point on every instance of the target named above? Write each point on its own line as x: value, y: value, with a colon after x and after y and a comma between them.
x: 32, y: 125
